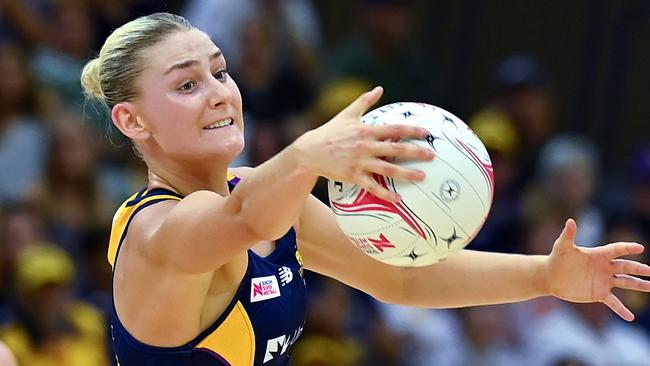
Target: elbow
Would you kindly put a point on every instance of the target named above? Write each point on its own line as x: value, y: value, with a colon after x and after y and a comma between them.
x: 257, y: 232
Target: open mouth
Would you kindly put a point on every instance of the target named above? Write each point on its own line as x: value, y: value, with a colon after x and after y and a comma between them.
x: 219, y: 124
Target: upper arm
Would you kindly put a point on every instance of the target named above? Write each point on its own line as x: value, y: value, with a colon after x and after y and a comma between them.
x: 197, y: 234
x: 327, y: 250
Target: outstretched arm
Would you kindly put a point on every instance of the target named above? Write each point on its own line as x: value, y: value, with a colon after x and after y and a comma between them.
x: 475, y: 278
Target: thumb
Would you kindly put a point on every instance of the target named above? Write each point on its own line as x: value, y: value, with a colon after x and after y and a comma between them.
x: 363, y: 102
x: 569, y: 232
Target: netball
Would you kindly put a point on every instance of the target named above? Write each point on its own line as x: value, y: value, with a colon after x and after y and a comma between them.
x: 437, y: 216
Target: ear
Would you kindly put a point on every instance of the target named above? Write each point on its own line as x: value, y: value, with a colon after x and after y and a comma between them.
x: 126, y: 119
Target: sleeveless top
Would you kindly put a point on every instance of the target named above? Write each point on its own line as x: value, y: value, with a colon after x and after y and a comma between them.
x: 260, y: 324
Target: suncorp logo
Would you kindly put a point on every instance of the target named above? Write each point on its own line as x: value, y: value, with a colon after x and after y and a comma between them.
x: 264, y: 288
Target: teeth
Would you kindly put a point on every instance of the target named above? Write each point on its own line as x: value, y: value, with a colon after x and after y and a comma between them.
x: 219, y: 123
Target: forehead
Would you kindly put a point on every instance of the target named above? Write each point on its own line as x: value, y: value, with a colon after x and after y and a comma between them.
x: 179, y: 47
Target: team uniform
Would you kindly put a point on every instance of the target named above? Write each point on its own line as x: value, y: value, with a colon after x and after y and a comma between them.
x: 263, y: 320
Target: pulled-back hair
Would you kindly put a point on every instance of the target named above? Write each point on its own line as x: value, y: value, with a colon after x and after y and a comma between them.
x: 110, y: 77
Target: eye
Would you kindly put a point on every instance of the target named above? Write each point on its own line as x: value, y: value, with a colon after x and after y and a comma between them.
x: 187, y: 86
x: 221, y: 75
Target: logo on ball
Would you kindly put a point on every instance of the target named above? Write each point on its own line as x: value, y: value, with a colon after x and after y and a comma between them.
x: 449, y: 190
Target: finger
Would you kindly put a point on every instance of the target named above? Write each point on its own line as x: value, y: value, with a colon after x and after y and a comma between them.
x: 630, y: 283
x: 373, y: 187
x: 620, y: 249
x: 401, y: 150
x: 569, y: 232
x: 617, y: 306
x: 363, y: 102
x: 385, y: 168
x: 625, y: 266
x: 399, y: 131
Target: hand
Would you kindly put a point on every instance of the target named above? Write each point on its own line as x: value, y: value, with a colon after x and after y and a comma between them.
x: 345, y: 149
x: 580, y: 274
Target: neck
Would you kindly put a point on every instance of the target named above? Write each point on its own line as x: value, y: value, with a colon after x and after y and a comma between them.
x: 185, y: 180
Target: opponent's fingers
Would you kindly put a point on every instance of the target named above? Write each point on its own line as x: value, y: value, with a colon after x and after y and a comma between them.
x: 630, y: 283
x: 625, y: 266
x: 366, y: 100
x: 385, y: 168
x: 617, y: 306
x: 620, y: 249
x: 400, y: 150
x: 399, y: 131
x: 376, y: 189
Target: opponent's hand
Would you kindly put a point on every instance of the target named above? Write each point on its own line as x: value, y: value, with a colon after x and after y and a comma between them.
x: 347, y: 150
x: 580, y: 274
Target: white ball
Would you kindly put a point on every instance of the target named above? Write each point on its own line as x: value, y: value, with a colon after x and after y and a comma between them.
x: 436, y: 217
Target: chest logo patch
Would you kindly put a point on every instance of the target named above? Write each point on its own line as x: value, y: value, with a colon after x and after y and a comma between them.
x: 264, y: 288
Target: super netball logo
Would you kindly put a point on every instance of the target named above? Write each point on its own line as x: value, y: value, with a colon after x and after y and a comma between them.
x: 264, y: 288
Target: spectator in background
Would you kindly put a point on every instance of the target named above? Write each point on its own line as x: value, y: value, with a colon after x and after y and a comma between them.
x: 567, y: 175
x: 52, y: 327
x: 524, y: 100
x: 69, y: 192
x: 328, y: 342
x: 490, y: 337
x: 22, y: 224
x: 588, y: 334
x: 502, y: 228
x: 272, y: 91
x: 295, y: 29
x: 428, y: 337
x: 57, y: 63
x: 21, y: 22
x: 385, y: 53
x: 23, y: 136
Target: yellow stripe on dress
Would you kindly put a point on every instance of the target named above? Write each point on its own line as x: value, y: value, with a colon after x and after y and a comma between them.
x: 234, y: 339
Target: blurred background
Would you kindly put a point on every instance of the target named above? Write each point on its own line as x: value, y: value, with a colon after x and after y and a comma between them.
x: 556, y: 90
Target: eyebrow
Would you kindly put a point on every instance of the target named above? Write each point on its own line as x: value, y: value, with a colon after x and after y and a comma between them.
x: 188, y: 63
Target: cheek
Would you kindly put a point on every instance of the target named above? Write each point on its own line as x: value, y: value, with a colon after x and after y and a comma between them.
x: 172, y: 114
x: 235, y: 94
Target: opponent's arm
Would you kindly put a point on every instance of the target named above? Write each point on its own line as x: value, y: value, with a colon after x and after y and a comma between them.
x: 470, y: 277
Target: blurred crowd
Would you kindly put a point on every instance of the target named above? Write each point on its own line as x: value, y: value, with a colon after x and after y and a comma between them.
x: 64, y: 170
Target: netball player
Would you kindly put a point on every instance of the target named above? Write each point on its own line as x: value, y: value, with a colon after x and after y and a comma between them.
x: 208, y: 261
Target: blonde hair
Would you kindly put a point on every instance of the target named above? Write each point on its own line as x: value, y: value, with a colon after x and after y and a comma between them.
x: 110, y: 77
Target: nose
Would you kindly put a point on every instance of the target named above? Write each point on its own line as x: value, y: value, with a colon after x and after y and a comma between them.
x: 219, y: 93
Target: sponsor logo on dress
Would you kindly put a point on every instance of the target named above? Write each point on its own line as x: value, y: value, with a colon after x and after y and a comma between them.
x: 278, y: 346
x: 264, y: 288
x: 286, y: 275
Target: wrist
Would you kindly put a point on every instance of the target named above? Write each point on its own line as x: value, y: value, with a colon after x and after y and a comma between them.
x: 542, y: 275
x: 299, y: 152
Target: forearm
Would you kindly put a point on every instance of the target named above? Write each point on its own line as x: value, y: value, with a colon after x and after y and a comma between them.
x: 272, y: 195
x: 473, y: 278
